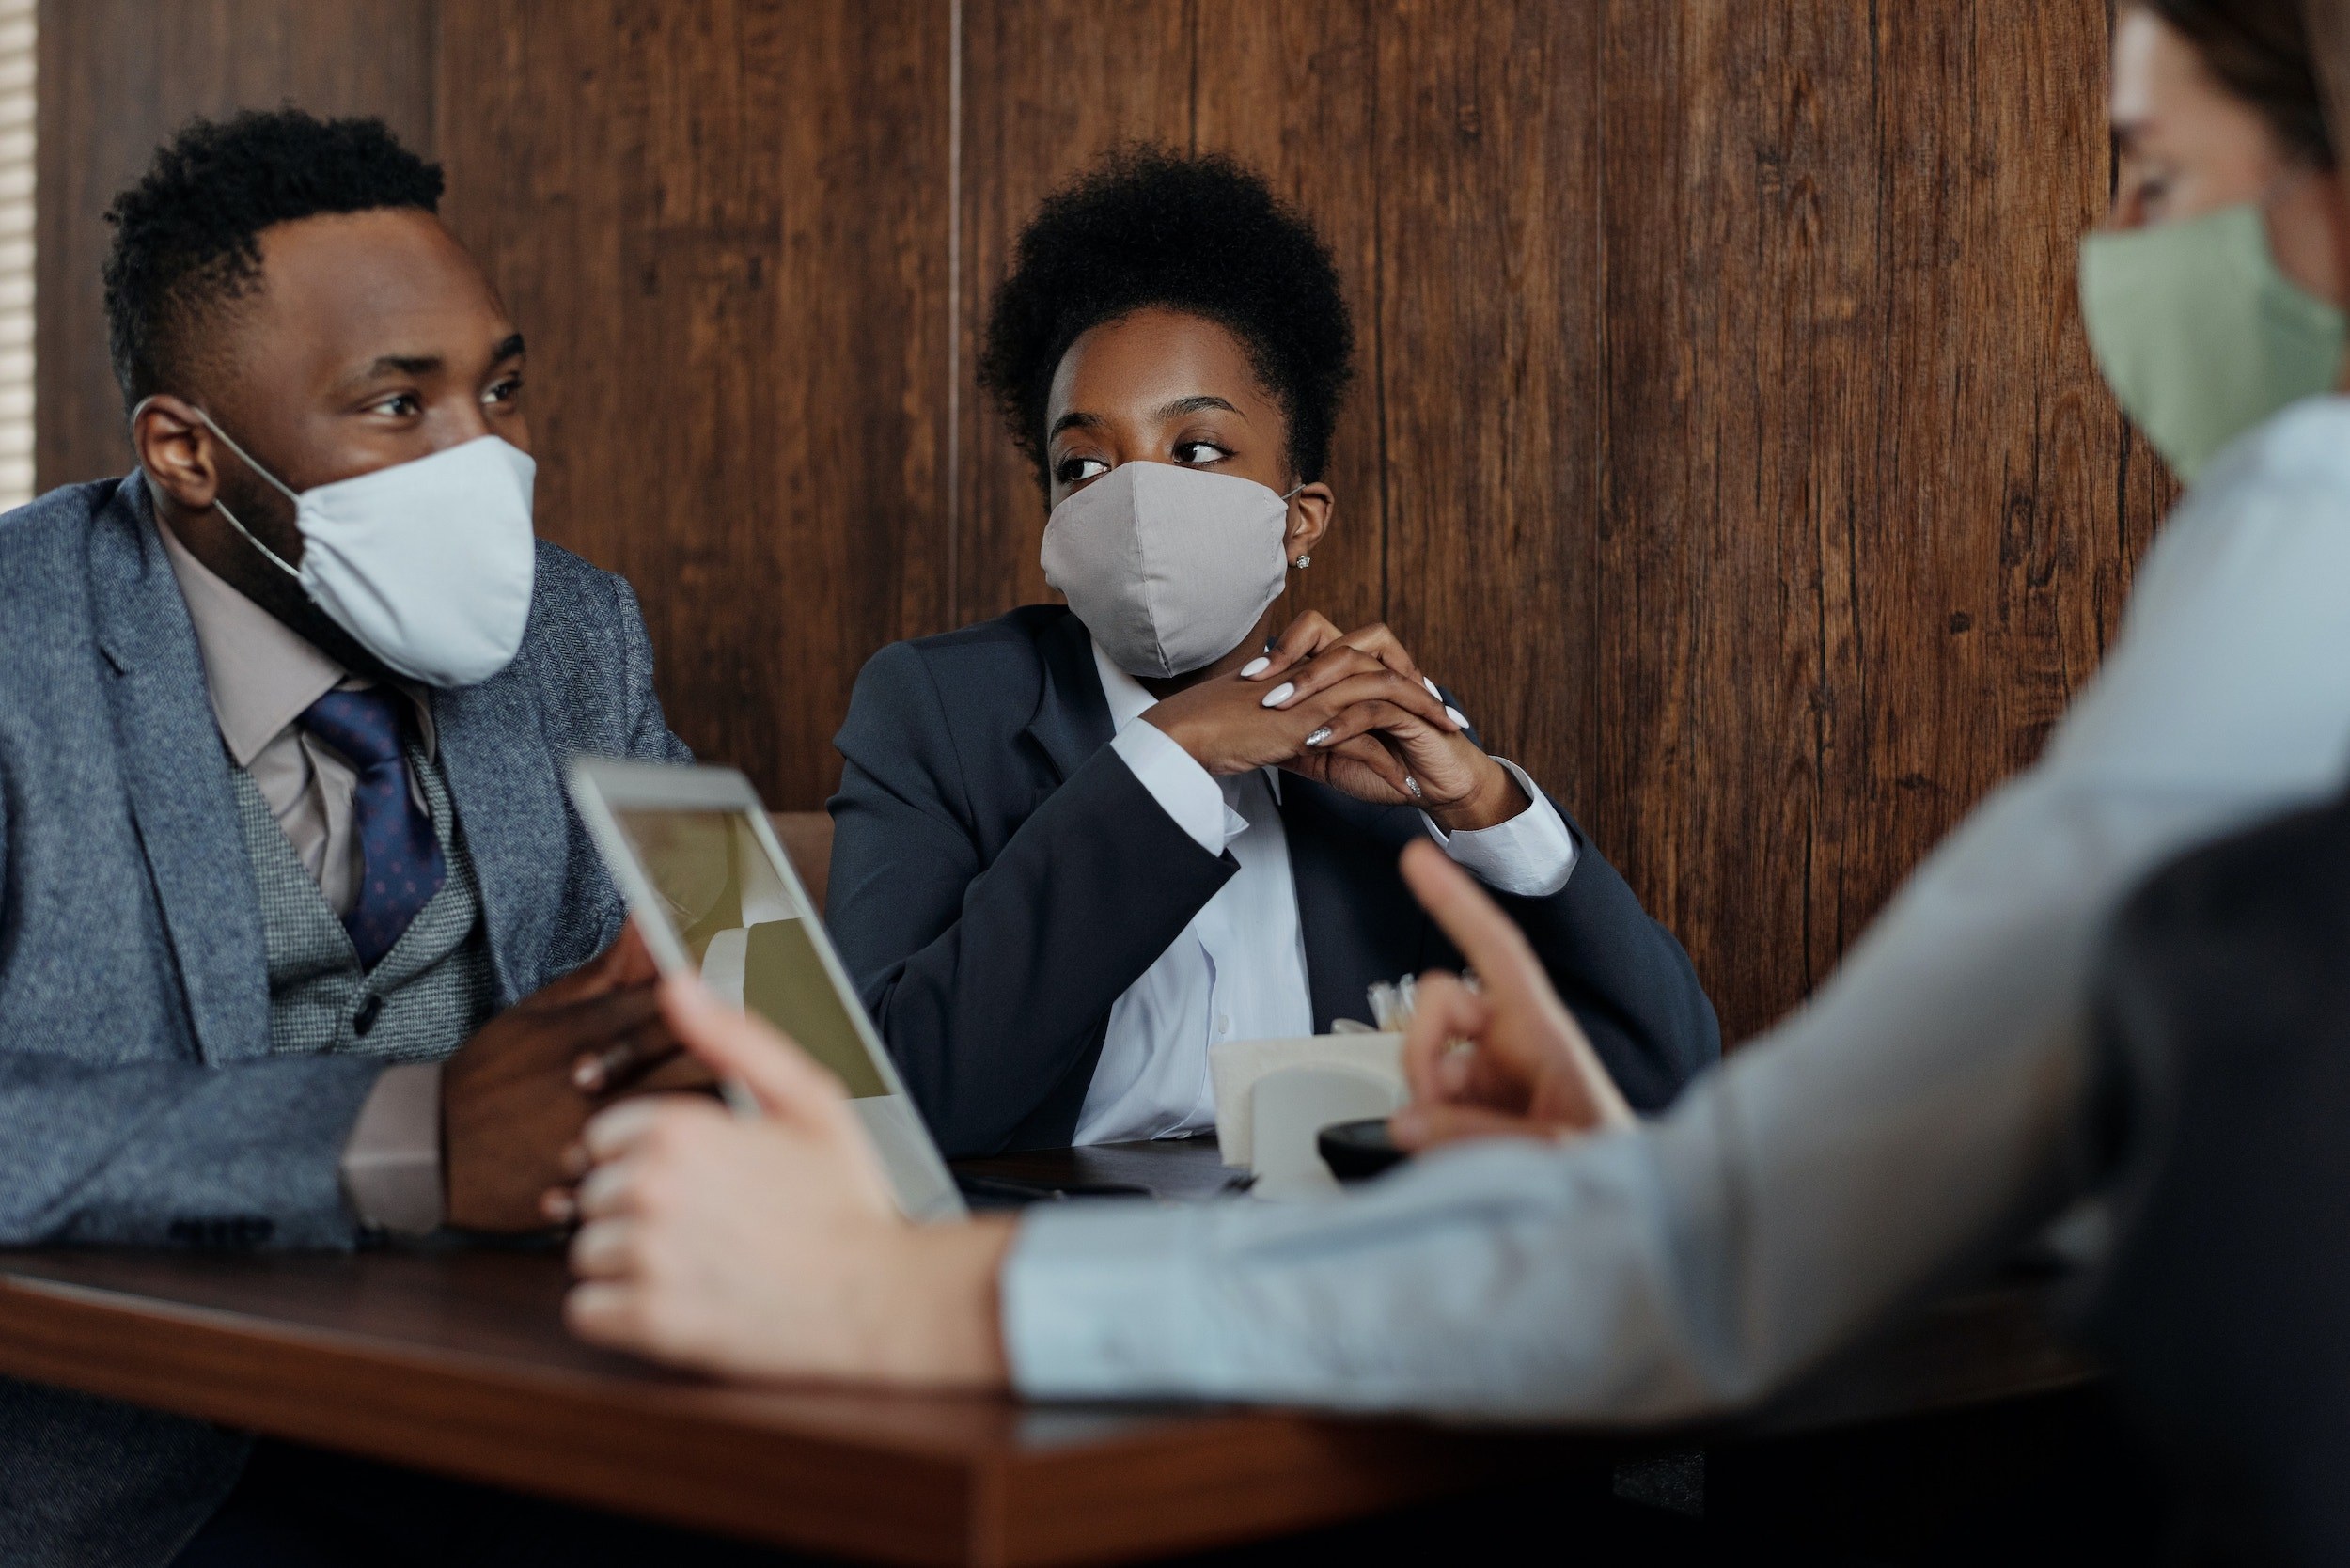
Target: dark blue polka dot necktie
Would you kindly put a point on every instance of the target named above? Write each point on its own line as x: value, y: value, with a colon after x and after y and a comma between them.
x: 401, y: 858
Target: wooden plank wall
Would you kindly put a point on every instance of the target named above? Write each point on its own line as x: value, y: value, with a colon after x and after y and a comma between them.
x: 1725, y: 428
x: 117, y: 76
x: 723, y: 229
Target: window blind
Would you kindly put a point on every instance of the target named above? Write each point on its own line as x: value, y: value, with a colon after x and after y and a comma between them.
x: 16, y: 251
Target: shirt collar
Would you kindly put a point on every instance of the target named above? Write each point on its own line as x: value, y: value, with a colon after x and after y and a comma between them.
x: 1125, y: 694
x: 260, y: 673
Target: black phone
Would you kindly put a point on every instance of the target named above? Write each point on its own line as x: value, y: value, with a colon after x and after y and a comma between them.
x: 1356, y: 1150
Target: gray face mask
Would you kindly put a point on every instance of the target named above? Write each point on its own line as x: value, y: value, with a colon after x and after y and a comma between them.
x: 1168, y: 567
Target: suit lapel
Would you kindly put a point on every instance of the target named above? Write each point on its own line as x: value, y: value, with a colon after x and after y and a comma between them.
x: 176, y: 773
x: 511, y: 806
x: 1071, y: 720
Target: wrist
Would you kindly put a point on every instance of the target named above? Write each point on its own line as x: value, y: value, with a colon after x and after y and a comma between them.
x: 1493, y: 800
x: 1173, y: 728
x: 947, y: 1277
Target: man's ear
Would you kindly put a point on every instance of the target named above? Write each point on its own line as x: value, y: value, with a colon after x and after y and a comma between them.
x: 178, y: 449
x: 1310, y: 519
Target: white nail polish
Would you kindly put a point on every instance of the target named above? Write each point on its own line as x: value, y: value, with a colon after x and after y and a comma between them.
x: 1255, y: 668
x: 1431, y: 688
x: 1454, y: 714
x: 1280, y: 695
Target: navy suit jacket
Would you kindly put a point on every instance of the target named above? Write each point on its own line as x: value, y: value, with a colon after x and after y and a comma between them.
x: 999, y: 878
x: 140, y: 1101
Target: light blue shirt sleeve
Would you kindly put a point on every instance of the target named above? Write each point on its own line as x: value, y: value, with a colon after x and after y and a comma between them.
x: 1923, y: 1109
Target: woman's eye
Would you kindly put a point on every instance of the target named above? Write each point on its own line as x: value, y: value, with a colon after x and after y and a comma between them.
x: 1076, y: 470
x: 1195, y: 452
x: 505, y: 391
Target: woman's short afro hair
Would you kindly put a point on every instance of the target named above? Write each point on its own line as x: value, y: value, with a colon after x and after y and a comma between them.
x: 1200, y: 234
x: 187, y: 236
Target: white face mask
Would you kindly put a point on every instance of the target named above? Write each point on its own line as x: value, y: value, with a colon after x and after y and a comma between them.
x: 1168, y: 567
x: 427, y: 564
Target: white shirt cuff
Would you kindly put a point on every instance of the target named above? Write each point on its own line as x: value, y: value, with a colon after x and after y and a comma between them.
x: 392, y: 1160
x: 1185, y: 790
x: 1531, y: 855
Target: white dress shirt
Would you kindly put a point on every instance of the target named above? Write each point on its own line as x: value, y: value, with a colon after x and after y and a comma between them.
x: 1238, y: 971
x: 1929, y: 1102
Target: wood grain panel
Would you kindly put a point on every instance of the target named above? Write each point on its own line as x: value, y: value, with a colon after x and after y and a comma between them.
x: 1868, y: 513
x: 723, y: 227
x: 2329, y: 35
x: 1725, y: 431
x: 1047, y: 86
x: 117, y: 78
x: 1289, y: 87
x: 1487, y: 343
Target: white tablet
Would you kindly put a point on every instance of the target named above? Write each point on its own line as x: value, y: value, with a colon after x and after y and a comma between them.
x: 714, y: 894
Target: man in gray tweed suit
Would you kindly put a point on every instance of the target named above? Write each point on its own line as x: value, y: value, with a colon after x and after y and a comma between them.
x: 283, y: 720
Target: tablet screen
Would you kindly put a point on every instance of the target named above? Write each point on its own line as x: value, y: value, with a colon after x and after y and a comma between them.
x: 747, y: 931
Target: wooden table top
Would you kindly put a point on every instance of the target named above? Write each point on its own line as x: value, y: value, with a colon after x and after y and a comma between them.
x: 455, y: 1361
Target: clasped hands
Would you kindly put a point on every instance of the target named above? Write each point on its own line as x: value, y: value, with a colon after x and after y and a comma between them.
x: 1351, y: 709
x: 770, y: 1248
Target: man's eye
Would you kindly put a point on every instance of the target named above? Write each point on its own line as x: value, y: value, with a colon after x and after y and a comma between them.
x: 505, y: 391
x: 1076, y: 470
x: 398, y: 405
x: 1195, y: 452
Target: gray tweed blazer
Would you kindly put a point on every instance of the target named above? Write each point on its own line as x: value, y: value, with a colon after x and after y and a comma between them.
x: 139, y: 1100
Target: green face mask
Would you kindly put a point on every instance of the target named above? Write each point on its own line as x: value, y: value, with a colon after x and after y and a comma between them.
x: 2198, y: 334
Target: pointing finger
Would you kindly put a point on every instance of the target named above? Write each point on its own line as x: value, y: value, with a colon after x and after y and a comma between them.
x: 1443, y: 1010
x: 1488, y: 939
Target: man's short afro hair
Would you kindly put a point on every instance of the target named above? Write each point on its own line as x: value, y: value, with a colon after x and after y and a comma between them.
x: 1200, y: 234
x: 187, y: 235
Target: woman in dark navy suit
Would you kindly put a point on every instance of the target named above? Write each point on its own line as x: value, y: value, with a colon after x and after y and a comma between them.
x: 1077, y: 846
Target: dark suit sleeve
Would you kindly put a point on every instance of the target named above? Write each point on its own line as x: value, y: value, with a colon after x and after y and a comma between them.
x: 991, y: 981
x: 1630, y: 984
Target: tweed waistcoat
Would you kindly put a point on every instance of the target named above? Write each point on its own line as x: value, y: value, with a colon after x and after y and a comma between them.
x: 421, y: 1001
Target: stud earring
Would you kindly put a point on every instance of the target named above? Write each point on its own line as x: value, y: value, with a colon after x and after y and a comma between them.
x: 1303, y: 562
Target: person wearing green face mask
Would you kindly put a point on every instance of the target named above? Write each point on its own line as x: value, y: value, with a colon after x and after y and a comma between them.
x: 1937, y: 1102
x: 2213, y: 296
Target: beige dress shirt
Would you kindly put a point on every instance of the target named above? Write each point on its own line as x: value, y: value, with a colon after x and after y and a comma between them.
x: 261, y: 677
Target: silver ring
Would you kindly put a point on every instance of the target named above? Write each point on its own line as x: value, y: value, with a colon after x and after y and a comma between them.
x: 1411, y: 786
x: 1319, y: 736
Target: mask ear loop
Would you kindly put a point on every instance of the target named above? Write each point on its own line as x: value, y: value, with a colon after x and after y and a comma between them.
x: 1302, y: 561
x: 221, y: 507
x: 1285, y: 501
